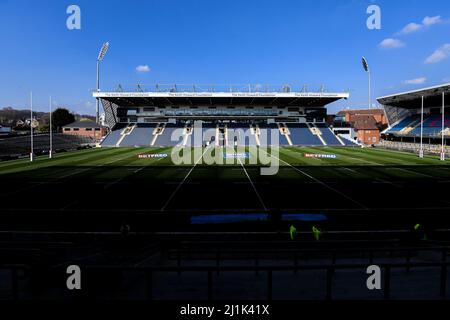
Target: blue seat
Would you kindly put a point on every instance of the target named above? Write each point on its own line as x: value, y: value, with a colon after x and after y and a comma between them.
x: 113, y: 137
x: 166, y: 140
x: 141, y: 136
x: 268, y: 134
x: 404, y: 123
x: 432, y: 125
x: 302, y: 136
x: 240, y: 134
x: 327, y: 135
x: 207, y: 134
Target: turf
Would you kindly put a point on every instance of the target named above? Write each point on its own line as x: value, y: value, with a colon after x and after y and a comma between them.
x: 356, y: 186
x: 291, y: 156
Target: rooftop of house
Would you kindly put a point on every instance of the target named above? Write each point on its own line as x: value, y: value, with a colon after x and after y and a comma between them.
x: 83, y: 124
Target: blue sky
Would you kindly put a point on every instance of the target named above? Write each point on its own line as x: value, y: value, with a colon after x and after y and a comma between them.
x: 206, y: 41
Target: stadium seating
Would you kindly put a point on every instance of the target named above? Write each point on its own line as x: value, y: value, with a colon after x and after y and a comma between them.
x: 410, y: 126
x: 20, y: 146
x: 265, y: 135
x: 432, y: 125
x: 208, y: 134
x: 406, y: 122
x: 218, y: 113
x: 209, y: 138
x: 301, y: 135
x: 328, y: 136
x: 140, y: 136
x: 113, y: 137
x: 240, y: 134
x: 165, y: 138
x: 348, y: 142
x: 291, y: 134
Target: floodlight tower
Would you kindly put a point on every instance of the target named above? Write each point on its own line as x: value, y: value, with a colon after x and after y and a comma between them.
x: 31, y: 128
x: 100, y: 57
x: 367, y: 69
x: 50, y: 152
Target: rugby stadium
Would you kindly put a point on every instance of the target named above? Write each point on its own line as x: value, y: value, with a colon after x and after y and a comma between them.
x: 303, y: 175
x: 148, y: 202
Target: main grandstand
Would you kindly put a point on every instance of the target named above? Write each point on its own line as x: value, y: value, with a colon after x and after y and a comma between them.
x: 169, y: 115
x: 419, y: 115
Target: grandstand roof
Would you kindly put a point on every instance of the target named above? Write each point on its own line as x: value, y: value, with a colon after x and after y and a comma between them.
x: 213, y: 97
x: 413, y: 99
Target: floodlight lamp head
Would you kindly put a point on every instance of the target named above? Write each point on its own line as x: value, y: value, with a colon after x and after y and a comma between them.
x: 103, y: 51
x: 365, y: 64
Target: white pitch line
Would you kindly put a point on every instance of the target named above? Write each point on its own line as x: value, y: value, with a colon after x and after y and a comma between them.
x: 90, y: 167
x: 348, y: 169
x: 320, y: 182
x: 253, y: 185
x: 388, y: 182
x: 84, y: 170
x: 115, y: 160
x: 109, y: 184
x: 81, y: 169
x: 364, y: 160
x: 416, y: 173
x: 376, y: 179
x: 182, y: 182
x: 141, y: 168
x: 30, y: 187
x: 134, y: 172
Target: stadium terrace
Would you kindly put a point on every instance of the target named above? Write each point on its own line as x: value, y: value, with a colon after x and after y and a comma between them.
x: 418, y: 117
x: 236, y: 115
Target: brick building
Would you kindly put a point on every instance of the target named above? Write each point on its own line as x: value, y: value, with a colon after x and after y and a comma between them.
x: 86, y: 129
x: 366, y: 128
x: 367, y: 123
x: 377, y: 114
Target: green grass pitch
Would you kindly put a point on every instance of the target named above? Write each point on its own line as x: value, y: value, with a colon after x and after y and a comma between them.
x: 113, y: 159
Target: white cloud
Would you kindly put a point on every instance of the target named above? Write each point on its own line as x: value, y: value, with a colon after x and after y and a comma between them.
x: 439, y: 55
x: 143, y: 68
x: 429, y: 21
x: 410, y: 28
x: 391, y: 43
x: 426, y: 22
x: 421, y: 80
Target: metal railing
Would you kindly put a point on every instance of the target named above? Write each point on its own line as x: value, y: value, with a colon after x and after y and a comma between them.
x: 269, y: 270
x: 412, y: 147
x: 245, y: 88
x: 220, y: 255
